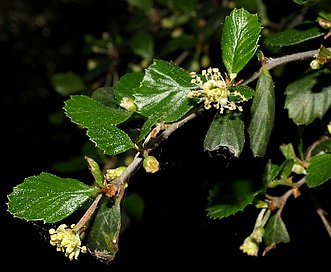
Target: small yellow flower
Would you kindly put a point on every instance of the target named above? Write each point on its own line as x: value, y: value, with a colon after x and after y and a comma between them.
x: 215, y: 90
x: 250, y: 246
x: 112, y: 174
x: 67, y: 240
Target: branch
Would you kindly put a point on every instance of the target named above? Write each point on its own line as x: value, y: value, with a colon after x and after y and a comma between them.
x: 272, y: 63
x: 136, y: 163
x: 321, y: 214
x: 280, y: 201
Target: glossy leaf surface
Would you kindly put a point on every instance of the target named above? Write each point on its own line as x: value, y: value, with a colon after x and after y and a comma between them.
x: 48, y: 197
x: 227, y: 131
x: 100, y: 122
x: 296, y: 35
x: 262, y: 114
x: 229, y: 197
x: 240, y: 37
x: 319, y: 170
x: 103, y: 237
x: 309, y: 97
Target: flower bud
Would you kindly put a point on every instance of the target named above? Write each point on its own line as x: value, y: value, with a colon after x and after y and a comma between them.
x: 250, y: 246
x: 112, y: 174
x: 314, y: 64
x: 151, y: 164
x: 258, y: 234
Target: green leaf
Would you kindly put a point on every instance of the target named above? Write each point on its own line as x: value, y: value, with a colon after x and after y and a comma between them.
x: 110, y: 139
x: 275, y: 231
x: 245, y: 91
x: 142, y: 44
x: 278, y: 175
x: 240, y: 37
x: 126, y: 85
x: 303, y: 32
x: 48, y: 197
x: 262, y: 114
x: 323, y: 148
x: 68, y: 83
x: 105, y: 95
x: 272, y: 171
x: 226, y: 130
x: 100, y: 121
x: 103, y: 237
x: 319, y: 170
x: 230, y: 197
x: 147, y: 126
x: 288, y: 152
x: 163, y: 93
x: 95, y: 170
x: 321, y: 7
x: 143, y: 5
x: 87, y: 112
x: 184, y: 41
x: 309, y: 97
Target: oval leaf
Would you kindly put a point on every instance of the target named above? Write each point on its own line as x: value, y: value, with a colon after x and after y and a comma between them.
x: 226, y: 130
x: 100, y: 121
x: 240, y: 36
x: 319, y: 170
x: 309, y: 97
x: 102, y: 240
x: 227, y: 198
x: 68, y: 83
x: 275, y: 231
x: 142, y: 44
x: 48, y: 197
x: 163, y: 92
x: 262, y: 114
x: 299, y: 34
x: 86, y: 111
x: 126, y: 85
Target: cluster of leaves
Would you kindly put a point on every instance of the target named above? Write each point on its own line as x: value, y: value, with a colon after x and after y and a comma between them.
x: 146, y: 106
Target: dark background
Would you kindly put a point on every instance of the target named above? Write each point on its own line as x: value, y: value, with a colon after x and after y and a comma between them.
x: 38, y: 39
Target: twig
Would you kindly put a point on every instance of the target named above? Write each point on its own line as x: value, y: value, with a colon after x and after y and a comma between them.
x: 280, y: 201
x: 316, y: 143
x: 135, y: 164
x: 321, y: 214
x: 87, y: 215
x: 272, y: 63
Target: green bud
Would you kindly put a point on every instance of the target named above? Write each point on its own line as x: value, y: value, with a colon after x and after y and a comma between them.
x: 128, y: 104
x: 250, y: 246
x: 258, y: 234
x: 150, y: 164
x: 314, y: 64
x: 112, y: 174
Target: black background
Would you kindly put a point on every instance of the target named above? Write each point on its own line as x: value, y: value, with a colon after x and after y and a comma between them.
x: 175, y: 231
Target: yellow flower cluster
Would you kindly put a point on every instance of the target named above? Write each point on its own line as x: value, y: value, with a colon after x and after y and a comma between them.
x: 215, y: 90
x: 67, y: 240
